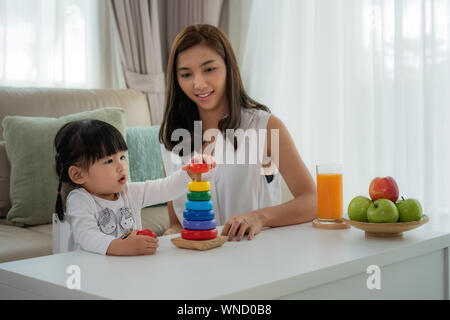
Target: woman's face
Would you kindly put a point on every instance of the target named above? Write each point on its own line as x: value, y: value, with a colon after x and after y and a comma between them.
x: 202, y: 74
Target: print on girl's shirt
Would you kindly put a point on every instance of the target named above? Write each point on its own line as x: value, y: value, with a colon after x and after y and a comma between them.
x: 126, y: 218
x: 107, y: 222
x: 116, y: 223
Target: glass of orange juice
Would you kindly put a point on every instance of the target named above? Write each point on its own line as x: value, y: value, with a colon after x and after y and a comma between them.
x: 329, y: 192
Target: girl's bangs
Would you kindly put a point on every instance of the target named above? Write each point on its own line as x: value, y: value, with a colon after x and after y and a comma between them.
x: 101, y: 142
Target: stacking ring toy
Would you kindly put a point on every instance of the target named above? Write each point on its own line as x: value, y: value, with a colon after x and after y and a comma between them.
x: 199, y: 196
x: 199, y: 205
x: 199, y: 186
x: 198, y: 215
x: 199, y: 234
x: 199, y: 225
x: 198, y: 167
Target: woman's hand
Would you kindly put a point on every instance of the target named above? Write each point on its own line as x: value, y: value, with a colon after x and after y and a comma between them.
x: 241, y: 224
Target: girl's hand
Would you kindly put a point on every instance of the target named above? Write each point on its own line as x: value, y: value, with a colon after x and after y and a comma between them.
x: 241, y: 224
x: 200, y: 158
x: 136, y: 245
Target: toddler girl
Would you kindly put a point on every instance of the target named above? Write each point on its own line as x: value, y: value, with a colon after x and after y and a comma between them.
x: 103, y: 207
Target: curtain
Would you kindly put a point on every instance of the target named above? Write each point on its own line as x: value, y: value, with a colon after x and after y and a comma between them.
x: 58, y: 43
x: 146, y: 29
x: 181, y: 14
x: 137, y: 24
x: 358, y: 82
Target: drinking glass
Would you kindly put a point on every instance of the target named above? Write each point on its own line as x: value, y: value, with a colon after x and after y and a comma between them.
x: 329, y: 192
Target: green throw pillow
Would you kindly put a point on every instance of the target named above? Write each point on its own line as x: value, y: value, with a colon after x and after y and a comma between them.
x: 144, y: 153
x: 29, y: 146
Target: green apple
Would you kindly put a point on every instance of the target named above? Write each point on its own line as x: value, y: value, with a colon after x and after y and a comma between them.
x: 409, y: 210
x: 382, y: 211
x: 357, y: 208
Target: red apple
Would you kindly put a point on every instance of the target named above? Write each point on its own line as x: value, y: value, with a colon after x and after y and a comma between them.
x: 383, y: 188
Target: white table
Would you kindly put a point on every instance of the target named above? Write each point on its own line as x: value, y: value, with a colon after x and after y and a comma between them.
x: 294, y: 262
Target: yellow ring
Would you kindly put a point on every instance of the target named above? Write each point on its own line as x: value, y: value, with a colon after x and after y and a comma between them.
x: 199, y: 186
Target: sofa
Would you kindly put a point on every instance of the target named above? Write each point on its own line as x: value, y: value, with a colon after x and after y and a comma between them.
x: 37, y: 240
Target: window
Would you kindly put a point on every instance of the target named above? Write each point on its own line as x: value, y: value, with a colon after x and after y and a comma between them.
x: 57, y: 43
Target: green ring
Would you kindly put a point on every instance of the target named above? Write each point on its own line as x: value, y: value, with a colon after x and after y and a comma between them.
x: 199, y: 196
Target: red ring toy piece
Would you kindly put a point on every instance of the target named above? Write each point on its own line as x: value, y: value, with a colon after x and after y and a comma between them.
x: 199, y: 234
x: 198, y: 167
x: 146, y: 232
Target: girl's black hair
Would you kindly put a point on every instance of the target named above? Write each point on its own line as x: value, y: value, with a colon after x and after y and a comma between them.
x: 81, y: 143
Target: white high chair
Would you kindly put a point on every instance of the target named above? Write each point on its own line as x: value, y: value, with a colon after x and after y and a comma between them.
x: 61, y: 235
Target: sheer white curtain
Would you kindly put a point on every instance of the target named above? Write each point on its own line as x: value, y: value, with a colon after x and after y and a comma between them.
x: 364, y: 83
x: 58, y: 43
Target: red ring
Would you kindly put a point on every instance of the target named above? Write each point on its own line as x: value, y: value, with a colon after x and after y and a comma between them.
x: 199, y: 234
x: 198, y: 167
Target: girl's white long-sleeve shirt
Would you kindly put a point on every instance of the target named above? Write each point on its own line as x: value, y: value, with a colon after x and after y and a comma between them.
x: 95, y: 222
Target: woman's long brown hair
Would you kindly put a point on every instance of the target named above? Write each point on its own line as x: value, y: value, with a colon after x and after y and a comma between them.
x: 180, y: 111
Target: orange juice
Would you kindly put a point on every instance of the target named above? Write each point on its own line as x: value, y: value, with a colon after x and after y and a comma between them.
x: 329, y: 195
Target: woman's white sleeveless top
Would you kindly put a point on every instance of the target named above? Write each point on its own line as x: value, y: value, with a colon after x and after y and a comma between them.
x: 237, y: 185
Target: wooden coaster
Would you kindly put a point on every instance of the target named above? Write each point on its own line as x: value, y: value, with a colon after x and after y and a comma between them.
x: 199, y: 244
x: 338, y: 224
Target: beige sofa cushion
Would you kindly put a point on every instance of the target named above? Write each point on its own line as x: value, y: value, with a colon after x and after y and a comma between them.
x: 59, y: 102
x: 156, y: 219
x: 23, y: 243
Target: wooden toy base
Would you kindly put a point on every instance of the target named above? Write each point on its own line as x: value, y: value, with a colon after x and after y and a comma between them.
x: 338, y: 224
x: 199, y: 244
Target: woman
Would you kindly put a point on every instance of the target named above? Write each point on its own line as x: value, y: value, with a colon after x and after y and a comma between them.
x: 204, y: 84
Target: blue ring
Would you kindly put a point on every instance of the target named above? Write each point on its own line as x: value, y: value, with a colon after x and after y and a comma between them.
x: 199, y: 225
x: 198, y: 215
x: 199, y: 205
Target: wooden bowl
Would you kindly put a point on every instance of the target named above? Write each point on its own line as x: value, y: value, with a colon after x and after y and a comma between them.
x: 387, y: 229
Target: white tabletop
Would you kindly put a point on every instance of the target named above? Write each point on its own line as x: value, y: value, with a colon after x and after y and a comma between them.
x: 275, y: 263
